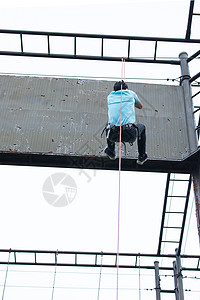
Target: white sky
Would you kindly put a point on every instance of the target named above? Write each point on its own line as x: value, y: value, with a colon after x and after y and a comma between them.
x: 89, y: 223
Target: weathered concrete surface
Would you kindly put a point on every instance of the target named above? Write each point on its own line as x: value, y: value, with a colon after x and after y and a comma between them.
x: 66, y: 117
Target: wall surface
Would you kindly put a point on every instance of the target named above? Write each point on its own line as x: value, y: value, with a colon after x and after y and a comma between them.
x: 67, y: 116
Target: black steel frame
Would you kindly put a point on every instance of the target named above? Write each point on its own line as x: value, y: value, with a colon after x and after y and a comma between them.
x: 184, y: 214
x: 75, y: 36
x: 96, y: 262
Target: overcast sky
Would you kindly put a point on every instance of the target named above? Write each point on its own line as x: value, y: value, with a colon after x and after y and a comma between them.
x: 89, y: 223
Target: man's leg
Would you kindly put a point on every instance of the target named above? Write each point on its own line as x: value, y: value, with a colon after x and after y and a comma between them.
x: 111, y: 145
x: 141, y: 144
x: 141, y: 139
x: 110, y: 149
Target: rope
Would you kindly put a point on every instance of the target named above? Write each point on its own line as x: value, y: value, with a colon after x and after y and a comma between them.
x: 119, y: 193
x: 100, y: 276
x: 54, y: 280
x: 4, y: 287
x: 139, y: 280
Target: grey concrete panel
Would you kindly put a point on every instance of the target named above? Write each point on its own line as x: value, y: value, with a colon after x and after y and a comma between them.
x: 66, y: 116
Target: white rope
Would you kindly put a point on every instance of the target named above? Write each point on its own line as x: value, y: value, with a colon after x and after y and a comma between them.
x: 54, y: 280
x: 139, y: 281
x: 4, y: 287
x: 100, y: 276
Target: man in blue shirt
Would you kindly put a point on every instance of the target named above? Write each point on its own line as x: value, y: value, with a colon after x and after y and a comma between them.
x: 129, y: 130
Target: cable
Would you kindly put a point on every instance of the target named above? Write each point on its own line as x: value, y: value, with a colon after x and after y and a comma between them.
x: 70, y: 288
x: 139, y: 280
x: 4, y: 286
x: 92, y: 77
x: 100, y: 276
x: 119, y: 191
x: 54, y: 280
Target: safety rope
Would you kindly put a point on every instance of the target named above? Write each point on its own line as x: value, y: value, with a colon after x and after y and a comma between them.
x: 139, y: 280
x: 54, y: 280
x: 119, y: 193
x: 100, y: 276
x: 4, y: 286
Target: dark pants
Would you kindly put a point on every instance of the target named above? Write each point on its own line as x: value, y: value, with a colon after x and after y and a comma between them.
x: 130, y: 133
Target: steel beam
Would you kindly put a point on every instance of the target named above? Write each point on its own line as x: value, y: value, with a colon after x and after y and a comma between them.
x: 37, y: 261
x: 188, y: 32
x: 196, y: 184
x: 185, y: 82
x: 94, y: 36
x: 163, y: 213
x: 186, y: 166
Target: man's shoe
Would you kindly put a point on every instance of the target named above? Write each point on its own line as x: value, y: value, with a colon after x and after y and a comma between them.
x: 141, y: 159
x: 110, y: 153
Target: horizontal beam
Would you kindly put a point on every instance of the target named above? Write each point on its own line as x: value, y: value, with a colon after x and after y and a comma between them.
x: 100, y: 36
x: 89, y: 57
x: 96, y: 266
x: 187, y: 166
x: 15, y: 260
x: 101, y: 57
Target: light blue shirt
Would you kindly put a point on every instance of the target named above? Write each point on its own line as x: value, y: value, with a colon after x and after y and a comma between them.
x: 129, y: 98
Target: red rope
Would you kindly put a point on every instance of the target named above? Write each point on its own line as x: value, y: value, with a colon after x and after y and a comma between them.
x: 119, y: 193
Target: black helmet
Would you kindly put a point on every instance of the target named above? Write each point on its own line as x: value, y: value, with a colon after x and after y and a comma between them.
x: 119, y: 84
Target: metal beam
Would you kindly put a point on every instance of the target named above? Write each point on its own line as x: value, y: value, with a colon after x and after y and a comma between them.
x: 184, y: 216
x: 163, y: 214
x: 48, y: 54
x: 188, y: 32
x: 187, y: 166
x: 193, y: 56
x: 100, y: 36
x: 194, y: 77
x: 96, y: 262
x: 88, y: 57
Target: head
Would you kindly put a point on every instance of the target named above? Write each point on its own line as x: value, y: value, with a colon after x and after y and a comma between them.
x: 120, y: 84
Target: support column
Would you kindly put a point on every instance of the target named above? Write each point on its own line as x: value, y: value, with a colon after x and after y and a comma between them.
x: 178, y: 278
x: 196, y: 184
x: 157, y: 280
x: 175, y: 281
x: 190, y: 122
x: 185, y: 83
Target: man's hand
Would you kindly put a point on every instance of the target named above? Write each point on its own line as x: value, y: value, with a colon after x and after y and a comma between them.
x: 139, y: 104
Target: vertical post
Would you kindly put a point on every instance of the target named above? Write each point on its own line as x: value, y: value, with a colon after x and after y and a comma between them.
x: 179, y: 277
x: 157, y: 280
x: 175, y: 281
x: 196, y: 184
x: 188, y: 32
x: 185, y: 83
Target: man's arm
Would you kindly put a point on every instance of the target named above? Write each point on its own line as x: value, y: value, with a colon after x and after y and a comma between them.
x: 139, y: 104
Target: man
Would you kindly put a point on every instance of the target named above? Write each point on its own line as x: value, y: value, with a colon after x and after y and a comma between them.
x: 129, y: 130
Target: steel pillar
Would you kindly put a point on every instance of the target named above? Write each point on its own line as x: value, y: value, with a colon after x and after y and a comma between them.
x: 196, y: 184
x: 175, y: 281
x: 185, y: 83
x: 157, y: 280
x: 178, y: 278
